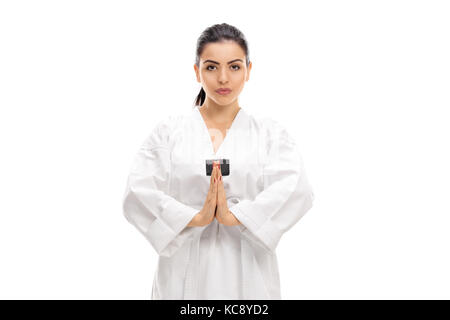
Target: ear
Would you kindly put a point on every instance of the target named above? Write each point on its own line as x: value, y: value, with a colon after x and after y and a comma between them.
x: 197, y: 73
x: 248, y: 71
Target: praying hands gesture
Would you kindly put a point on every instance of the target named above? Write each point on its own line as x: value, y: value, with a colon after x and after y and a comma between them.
x: 215, y: 205
x: 223, y: 215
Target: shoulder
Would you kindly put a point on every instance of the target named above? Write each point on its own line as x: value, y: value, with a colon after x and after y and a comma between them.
x: 165, y: 128
x: 272, y: 128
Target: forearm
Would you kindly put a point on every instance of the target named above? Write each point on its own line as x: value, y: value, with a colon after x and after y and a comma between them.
x: 196, y: 221
x: 234, y: 220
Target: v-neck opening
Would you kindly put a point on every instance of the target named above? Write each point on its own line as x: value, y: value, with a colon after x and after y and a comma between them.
x: 228, y: 131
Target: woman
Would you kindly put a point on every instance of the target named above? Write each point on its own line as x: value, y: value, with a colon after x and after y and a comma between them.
x: 216, y: 235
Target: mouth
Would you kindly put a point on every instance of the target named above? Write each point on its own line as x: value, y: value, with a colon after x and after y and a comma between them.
x: 223, y: 91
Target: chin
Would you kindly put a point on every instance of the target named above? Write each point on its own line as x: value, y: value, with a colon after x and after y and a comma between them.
x: 224, y: 101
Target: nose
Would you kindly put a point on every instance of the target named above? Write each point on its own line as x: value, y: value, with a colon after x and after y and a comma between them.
x: 223, y: 78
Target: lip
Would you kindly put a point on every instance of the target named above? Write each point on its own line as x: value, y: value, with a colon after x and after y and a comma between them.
x: 223, y: 91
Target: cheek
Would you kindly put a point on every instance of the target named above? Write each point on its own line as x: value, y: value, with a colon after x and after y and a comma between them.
x: 208, y: 78
x: 238, y: 77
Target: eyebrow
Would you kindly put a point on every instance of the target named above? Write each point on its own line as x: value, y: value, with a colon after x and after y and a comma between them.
x: 219, y: 63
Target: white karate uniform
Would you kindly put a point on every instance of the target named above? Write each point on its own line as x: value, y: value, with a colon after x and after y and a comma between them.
x: 267, y: 190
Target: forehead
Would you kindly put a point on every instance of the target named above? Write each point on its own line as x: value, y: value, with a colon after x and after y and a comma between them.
x: 223, y: 51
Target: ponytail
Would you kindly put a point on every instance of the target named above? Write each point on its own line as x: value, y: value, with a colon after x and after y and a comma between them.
x: 200, y: 98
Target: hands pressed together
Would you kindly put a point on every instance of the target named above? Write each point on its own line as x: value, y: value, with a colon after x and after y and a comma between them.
x: 215, y: 204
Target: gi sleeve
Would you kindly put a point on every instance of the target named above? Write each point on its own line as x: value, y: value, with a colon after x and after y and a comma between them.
x: 159, y: 217
x: 286, y: 197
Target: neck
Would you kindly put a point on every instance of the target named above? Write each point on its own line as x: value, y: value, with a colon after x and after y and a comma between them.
x: 224, y: 113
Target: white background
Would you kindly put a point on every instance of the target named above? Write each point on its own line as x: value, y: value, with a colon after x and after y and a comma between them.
x: 363, y: 86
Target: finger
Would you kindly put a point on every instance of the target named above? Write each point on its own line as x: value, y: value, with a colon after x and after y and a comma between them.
x: 220, y: 189
x: 219, y: 176
x: 218, y: 173
x: 217, y: 184
x: 211, y: 183
x: 215, y: 172
x: 213, y: 186
x: 214, y: 179
x: 212, y: 176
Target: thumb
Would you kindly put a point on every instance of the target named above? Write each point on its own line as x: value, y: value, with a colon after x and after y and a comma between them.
x: 217, y: 190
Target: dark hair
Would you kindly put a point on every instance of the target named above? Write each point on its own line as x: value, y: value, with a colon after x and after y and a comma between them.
x: 217, y: 33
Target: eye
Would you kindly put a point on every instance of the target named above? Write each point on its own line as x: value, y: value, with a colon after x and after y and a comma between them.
x: 235, y: 65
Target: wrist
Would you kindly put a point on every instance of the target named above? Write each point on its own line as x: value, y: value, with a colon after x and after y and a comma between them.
x: 197, y: 220
x: 233, y: 218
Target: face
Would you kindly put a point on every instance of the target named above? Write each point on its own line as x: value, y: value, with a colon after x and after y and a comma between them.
x: 222, y: 65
